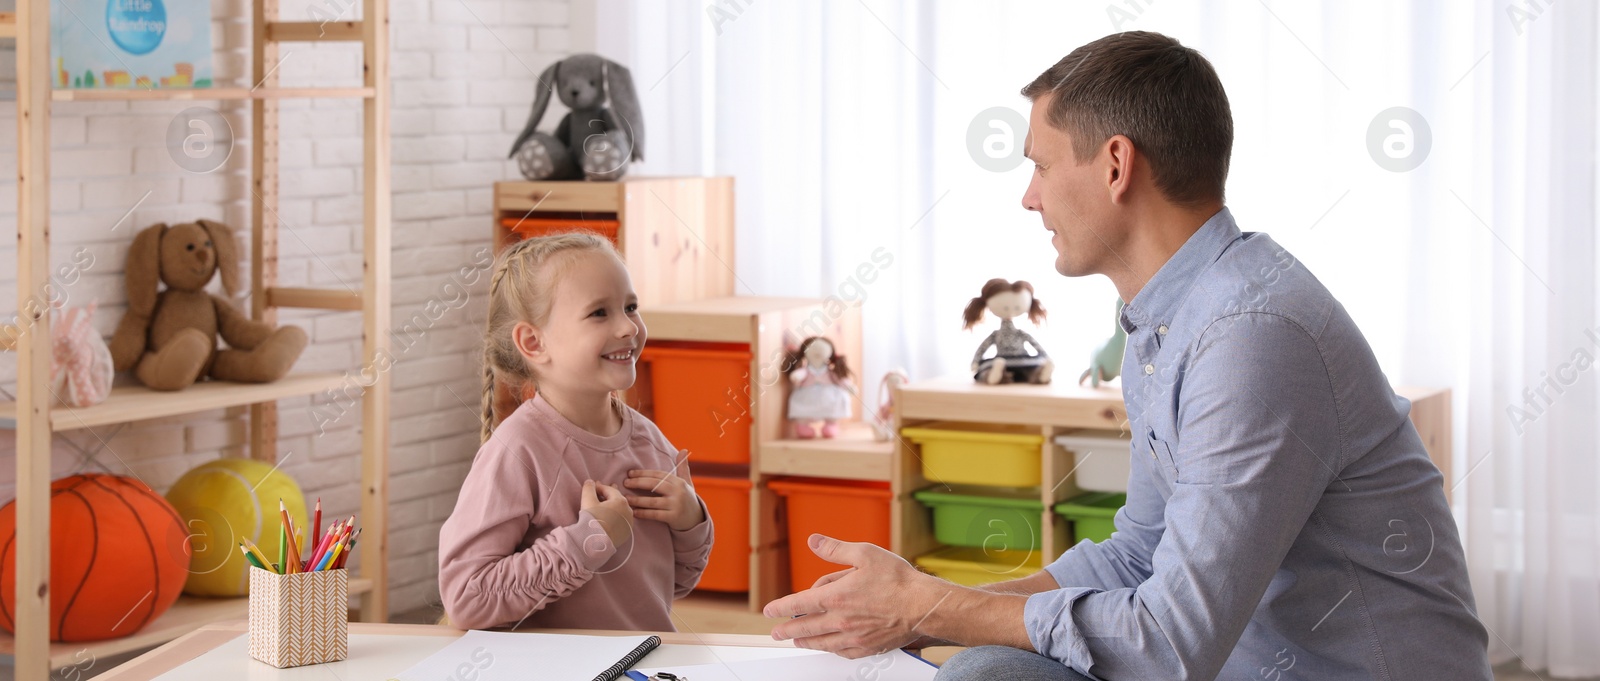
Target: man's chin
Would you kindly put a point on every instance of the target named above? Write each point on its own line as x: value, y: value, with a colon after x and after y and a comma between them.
x: 1067, y: 268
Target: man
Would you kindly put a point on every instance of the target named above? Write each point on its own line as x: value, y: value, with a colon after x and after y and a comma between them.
x: 1283, y: 519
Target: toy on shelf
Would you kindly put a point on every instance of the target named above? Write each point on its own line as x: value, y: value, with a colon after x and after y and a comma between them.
x: 80, y: 362
x: 169, y: 338
x: 118, y: 558
x: 819, y: 382
x: 592, y: 141
x: 1106, y: 361
x: 224, y: 503
x: 1012, y: 362
x: 883, y: 421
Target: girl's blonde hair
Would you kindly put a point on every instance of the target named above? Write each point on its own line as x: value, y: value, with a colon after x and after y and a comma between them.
x: 520, y: 290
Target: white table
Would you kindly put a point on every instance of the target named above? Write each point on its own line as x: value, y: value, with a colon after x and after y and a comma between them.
x: 380, y: 651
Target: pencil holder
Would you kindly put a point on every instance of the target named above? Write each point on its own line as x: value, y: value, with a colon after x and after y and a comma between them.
x: 298, y: 619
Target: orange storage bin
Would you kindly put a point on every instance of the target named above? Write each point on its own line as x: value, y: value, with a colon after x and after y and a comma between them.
x: 701, y: 398
x: 728, y: 502
x: 524, y: 227
x: 848, y: 510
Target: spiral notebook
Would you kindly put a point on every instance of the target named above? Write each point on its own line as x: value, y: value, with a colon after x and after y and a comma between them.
x: 497, y: 655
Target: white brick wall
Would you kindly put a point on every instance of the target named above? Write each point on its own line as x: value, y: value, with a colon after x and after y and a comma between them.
x: 459, y: 98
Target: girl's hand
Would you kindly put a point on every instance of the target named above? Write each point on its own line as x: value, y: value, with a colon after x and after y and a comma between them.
x: 666, y: 497
x: 608, y: 506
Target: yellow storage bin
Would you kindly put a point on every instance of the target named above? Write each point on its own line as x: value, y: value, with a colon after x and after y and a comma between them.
x: 978, y: 455
x: 976, y: 567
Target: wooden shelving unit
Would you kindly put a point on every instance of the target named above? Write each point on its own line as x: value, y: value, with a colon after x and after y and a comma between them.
x: 1054, y: 410
x: 35, y: 417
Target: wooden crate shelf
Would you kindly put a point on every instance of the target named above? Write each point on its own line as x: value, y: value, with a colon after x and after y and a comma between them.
x: 676, y: 233
x: 768, y: 325
x: 187, y: 614
x: 1055, y: 410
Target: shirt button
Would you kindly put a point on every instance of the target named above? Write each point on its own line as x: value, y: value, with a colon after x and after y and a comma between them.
x: 1149, y: 369
x: 1162, y: 329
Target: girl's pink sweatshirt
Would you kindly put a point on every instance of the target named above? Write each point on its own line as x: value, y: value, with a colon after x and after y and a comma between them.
x: 516, y: 552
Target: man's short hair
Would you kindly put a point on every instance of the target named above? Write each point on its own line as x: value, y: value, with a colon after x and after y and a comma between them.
x: 1165, y: 97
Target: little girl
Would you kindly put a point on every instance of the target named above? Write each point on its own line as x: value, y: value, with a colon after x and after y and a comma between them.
x: 543, y: 534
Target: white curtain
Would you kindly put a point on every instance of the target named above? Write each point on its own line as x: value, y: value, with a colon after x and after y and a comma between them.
x: 1458, y: 231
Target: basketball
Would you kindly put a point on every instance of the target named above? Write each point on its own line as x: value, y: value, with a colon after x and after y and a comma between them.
x: 118, y: 557
x: 224, y: 502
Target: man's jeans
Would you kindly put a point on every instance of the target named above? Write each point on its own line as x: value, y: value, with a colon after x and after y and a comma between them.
x: 984, y: 663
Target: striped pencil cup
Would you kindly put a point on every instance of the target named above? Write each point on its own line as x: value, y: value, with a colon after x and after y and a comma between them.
x: 298, y: 619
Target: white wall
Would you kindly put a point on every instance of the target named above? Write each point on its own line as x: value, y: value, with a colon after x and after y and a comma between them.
x: 463, y: 79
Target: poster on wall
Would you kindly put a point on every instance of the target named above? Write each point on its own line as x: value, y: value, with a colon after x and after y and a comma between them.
x: 140, y: 44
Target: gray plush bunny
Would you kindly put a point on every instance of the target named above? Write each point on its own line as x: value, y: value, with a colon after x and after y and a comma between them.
x: 592, y: 141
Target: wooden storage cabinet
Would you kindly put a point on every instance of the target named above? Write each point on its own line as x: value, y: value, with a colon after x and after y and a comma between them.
x: 675, y: 233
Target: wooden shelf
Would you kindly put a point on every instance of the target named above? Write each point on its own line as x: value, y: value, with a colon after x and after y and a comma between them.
x: 313, y: 298
x: 854, y: 455
x: 724, y: 320
x: 1062, y: 403
x: 212, y: 93
x: 313, y: 31
x: 136, y: 403
x: 187, y: 614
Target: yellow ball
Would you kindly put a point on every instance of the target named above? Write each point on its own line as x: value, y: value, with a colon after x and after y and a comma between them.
x: 224, y: 502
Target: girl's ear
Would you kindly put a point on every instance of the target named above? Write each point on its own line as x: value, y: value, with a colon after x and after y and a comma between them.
x: 530, y: 343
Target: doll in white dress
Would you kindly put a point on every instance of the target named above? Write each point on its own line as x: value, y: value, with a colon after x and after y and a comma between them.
x: 819, y: 388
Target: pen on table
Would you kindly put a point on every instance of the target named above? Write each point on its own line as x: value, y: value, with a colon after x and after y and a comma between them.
x: 636, y: 675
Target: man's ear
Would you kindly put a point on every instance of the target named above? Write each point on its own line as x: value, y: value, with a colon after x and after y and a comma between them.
x: 1120, y: 160
x: 529, y: 340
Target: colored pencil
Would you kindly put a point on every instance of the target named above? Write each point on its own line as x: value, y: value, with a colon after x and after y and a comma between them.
x: 251, y: 557
x: 294, y: 545
x: 350, y: 547
x: 256, y: 552
x: 322, y: 545
x: 316, y: 520
x: 329, y: 557
x: 283, y: 545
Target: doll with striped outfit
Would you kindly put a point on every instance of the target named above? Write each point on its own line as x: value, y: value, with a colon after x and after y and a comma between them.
x: 1012, y: 361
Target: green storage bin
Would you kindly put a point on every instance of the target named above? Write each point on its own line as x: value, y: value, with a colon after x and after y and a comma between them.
x: 1091, y: 514
x: 986, y: 518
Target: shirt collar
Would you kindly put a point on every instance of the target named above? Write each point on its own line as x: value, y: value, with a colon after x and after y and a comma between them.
x: 1170, y: 285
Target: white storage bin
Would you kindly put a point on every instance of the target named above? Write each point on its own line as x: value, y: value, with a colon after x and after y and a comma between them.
x: 1101, y: 458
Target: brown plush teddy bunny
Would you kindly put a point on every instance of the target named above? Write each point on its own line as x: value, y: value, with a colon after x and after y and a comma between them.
x: 169, y: 338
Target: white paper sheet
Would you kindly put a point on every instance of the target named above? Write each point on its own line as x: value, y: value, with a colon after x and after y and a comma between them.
x: 504, y: 656
x: 896, y: 665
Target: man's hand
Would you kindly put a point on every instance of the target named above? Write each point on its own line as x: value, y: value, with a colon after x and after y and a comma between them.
x: 873, y: 607
x: 666, y: 497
